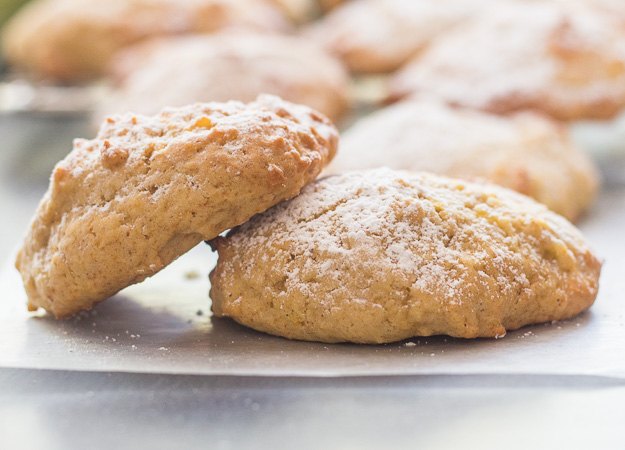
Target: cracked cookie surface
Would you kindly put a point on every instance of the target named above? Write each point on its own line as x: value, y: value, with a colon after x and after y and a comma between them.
x: 380, y: 256
x: 124, y: 205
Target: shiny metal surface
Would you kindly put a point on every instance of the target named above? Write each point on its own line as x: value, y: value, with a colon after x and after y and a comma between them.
x: 64, y: 410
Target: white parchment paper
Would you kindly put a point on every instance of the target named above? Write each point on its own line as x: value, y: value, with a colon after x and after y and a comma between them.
x: 164, y: 326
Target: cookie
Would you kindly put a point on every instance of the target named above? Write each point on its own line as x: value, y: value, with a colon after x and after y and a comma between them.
x: 227, y: 66
x: 525, y: 152
x: 380, y: 256
x: 72, y: 40
x: 124, y: 205
x: 565, y: 60
x: 377, y: 36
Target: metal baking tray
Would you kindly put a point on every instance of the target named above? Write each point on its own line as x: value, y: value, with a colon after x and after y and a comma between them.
x: 164, y: 325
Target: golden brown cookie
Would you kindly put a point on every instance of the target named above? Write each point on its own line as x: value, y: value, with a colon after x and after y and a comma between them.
x: 379, y: 256
x: 525, y: 152
x: 124, y: 205
x: 563, y: 59
x: 376, y: 36
x: 71, y: 40
x: 227, y: 66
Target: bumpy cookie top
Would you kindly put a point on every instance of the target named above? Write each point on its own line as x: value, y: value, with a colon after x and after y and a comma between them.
x: 122, y: 206
x: 73, y: 39
x: 379, y: 255
x: 525, y: 152
x: 564, y: 59
x: 227, y: 66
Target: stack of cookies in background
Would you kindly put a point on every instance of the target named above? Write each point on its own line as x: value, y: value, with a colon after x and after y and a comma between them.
x: 484, y: 91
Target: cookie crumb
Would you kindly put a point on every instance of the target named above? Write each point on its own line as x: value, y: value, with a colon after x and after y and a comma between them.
x: 192, y: 275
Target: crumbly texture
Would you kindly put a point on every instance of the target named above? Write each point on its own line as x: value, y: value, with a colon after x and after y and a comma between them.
x: 380, y: 256
x: 72, y: 40
x: 124, y: 205
x: 377, y: 36
x: 227, y: 66
x: 525, y: 152
x: 564, y: 59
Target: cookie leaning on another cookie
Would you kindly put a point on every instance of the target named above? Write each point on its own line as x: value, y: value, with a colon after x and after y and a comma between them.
x: 124, y: 205
x: 380, y: 256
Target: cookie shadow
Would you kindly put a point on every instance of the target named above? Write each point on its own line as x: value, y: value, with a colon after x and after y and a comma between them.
x: 192, y: 340
x: 118, y: 322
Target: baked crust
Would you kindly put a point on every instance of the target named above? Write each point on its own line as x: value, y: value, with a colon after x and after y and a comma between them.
x: 124, y: 205
x: 380, y: 256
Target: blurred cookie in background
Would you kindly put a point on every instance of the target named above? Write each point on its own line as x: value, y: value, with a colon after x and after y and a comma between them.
x: 226, y: 66
x: 299, y: 11
x: 525, y: 152
x: 565, y: 60
x: 377, y: 36
x: 72, y: 40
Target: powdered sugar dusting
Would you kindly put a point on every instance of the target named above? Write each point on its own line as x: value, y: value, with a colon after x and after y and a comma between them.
x: 380, y: 255
x: 423, y: 229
